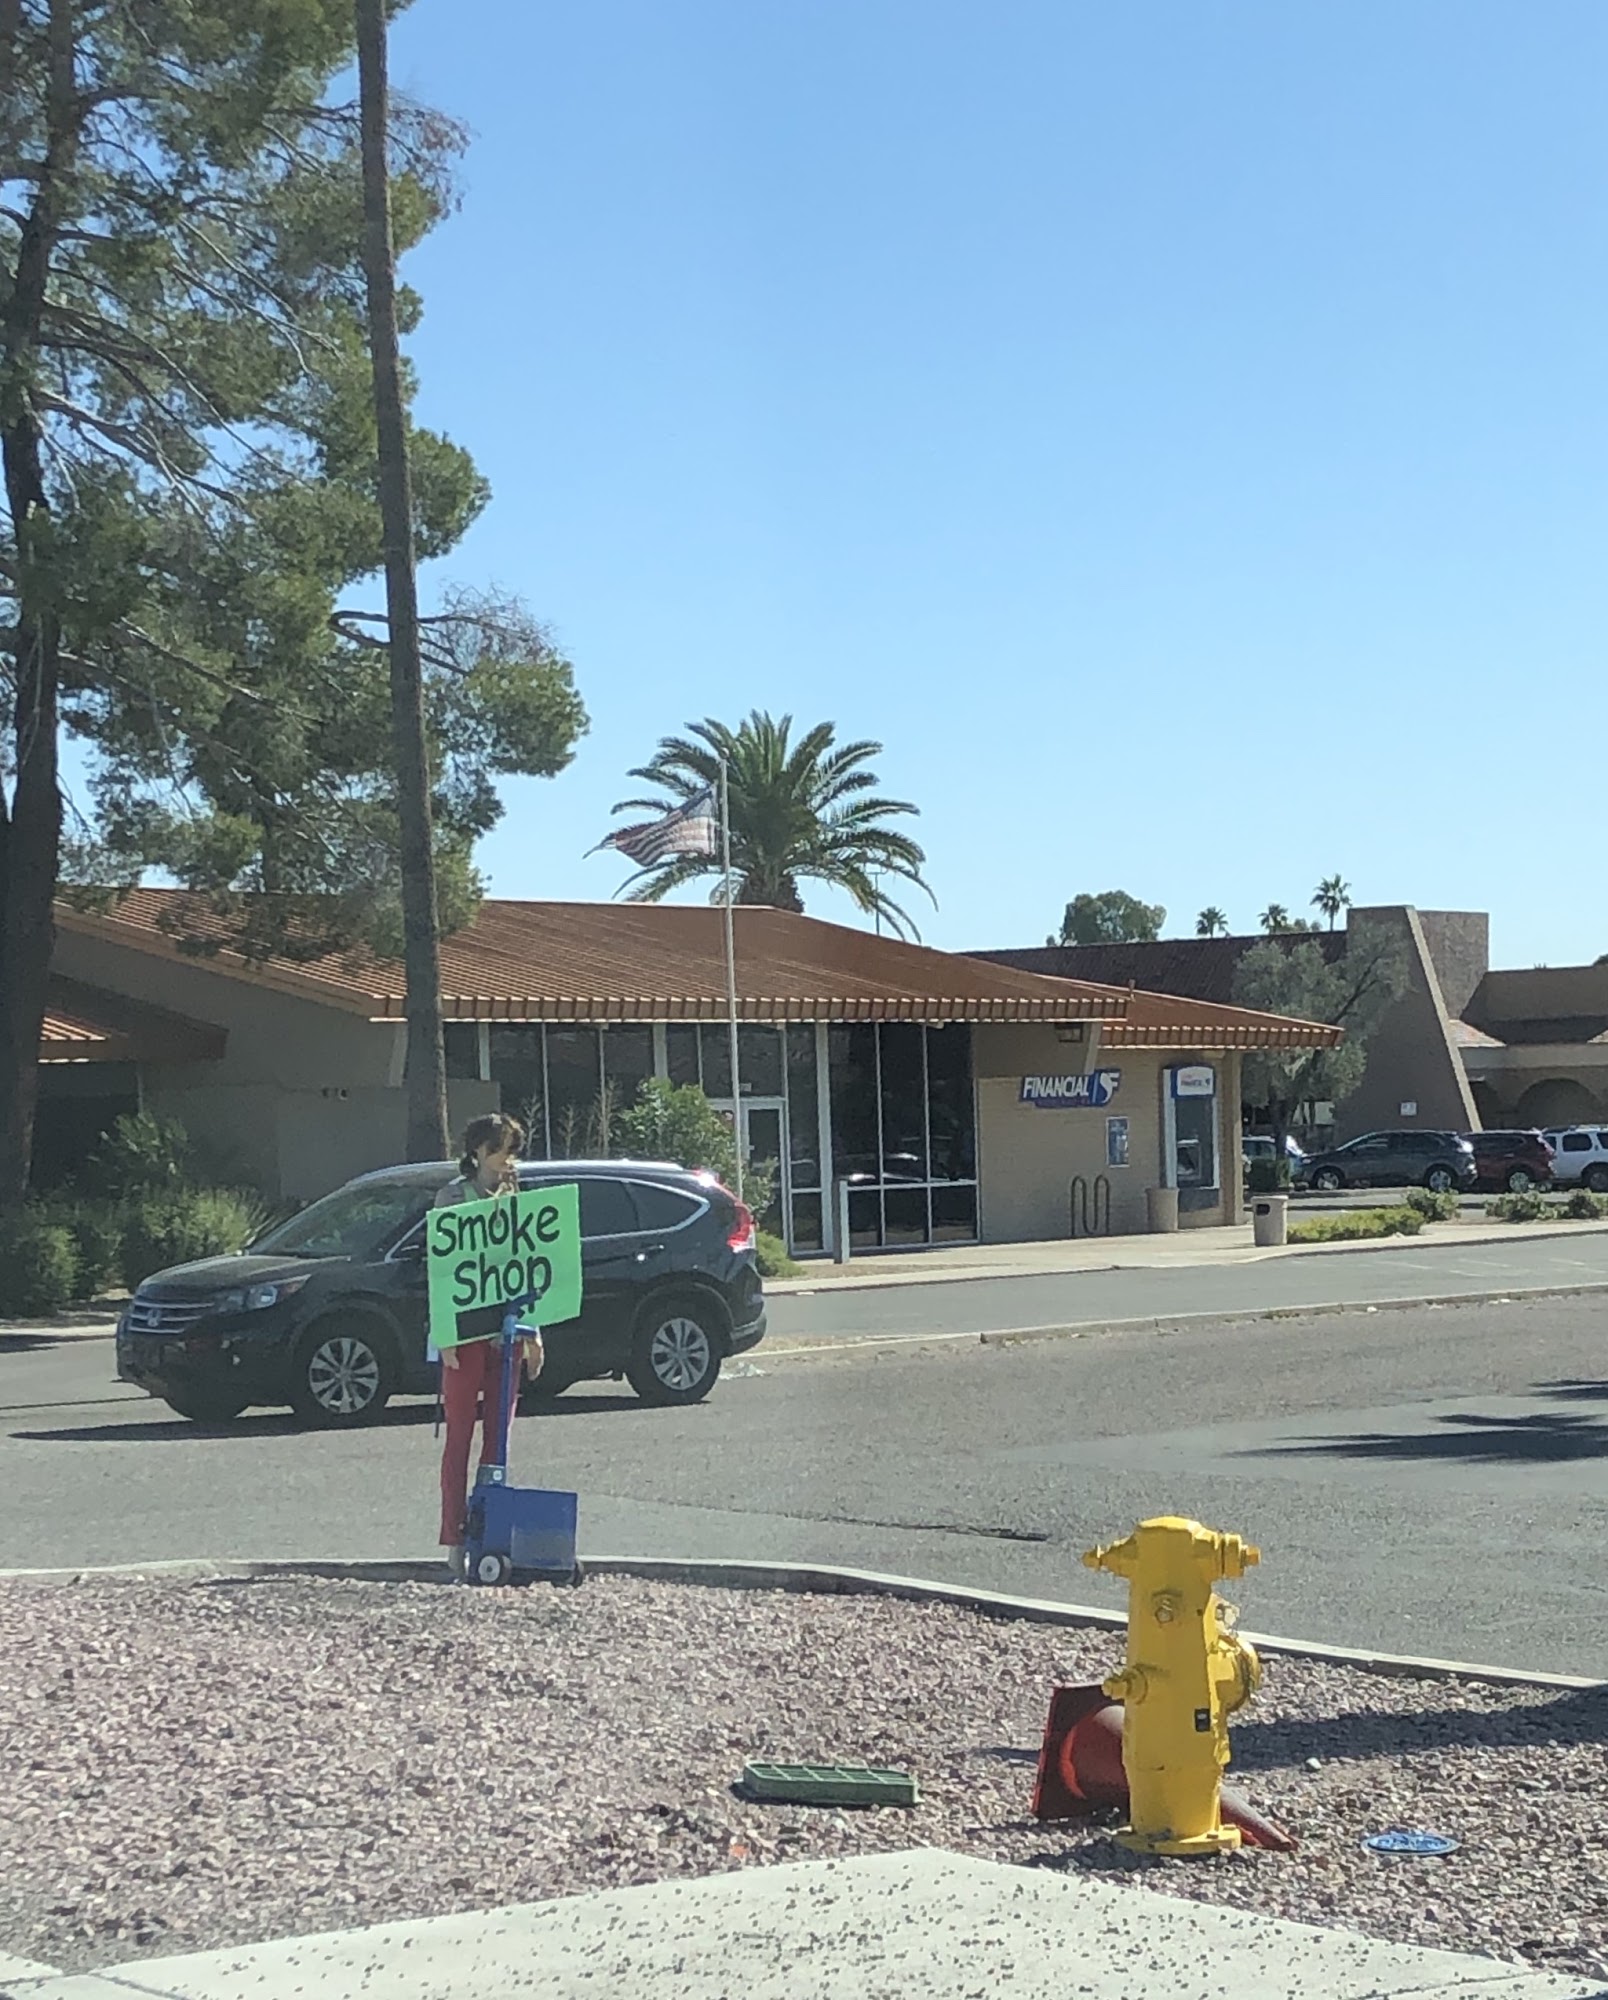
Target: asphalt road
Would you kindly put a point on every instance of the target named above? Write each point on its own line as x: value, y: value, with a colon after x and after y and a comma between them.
x: 1435, y: 1269
x: 1427, y: 1481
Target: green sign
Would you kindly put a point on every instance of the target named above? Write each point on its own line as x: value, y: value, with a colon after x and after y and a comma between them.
x: 520, y: 1251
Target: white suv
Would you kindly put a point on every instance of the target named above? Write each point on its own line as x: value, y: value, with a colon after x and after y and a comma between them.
x: 1579, y: 1156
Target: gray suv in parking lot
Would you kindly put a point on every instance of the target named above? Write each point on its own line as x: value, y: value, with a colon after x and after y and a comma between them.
x: 1438, y: 1160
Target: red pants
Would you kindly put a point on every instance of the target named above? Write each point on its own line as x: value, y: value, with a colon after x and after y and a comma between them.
x: 467, y: 1391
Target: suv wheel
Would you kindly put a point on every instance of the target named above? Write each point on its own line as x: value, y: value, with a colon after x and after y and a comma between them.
x: 1328, y: 1180
x: 1440, y: 1180
x: 1520, y: 1180
x: 676, y: 1350
x: 341, y: 1375
x: 1596, y: 1178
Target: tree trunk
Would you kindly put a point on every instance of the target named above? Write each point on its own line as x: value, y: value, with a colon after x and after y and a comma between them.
x: 30, y: 832
x: 426, y: 1063
x: 30, y: 828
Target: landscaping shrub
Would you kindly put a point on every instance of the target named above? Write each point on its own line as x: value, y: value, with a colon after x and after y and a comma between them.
x: 1355, y: 1225
x: 1584, y: 1206
x: 770, y: 1253
x: 96, y: 1230
x: 164, y: 1229
x: 141, y: 1154
x: 38, y: 1266
x: 1267, y: 1176
x: 1431, y: 1206
x: 677, y: 1122
x: 1530, y: 1206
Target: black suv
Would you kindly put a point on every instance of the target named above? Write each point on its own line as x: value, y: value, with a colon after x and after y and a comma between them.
x: 327, y: 1311
x: 1438, y: 1160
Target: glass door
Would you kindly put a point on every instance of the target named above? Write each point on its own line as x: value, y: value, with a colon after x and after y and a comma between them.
x: 764, y: 1140
x: 764, y: 1144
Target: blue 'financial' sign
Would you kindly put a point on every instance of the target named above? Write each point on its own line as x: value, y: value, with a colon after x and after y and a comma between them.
x: 1071, y: 1093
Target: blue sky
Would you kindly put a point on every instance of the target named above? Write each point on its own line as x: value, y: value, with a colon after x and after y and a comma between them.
x: 1175, y: 431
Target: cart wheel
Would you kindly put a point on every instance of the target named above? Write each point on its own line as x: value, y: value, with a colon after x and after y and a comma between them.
x: 493, y: 1569
x: 573, y: 1578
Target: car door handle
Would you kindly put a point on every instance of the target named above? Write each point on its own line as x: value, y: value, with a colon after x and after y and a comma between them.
x: 653, y: 1250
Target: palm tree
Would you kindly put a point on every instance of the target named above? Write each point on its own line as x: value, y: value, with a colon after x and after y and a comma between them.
x: 1332, y: 895
x: 803, y: 811
x: 1274, y: 918
x: 1211, y: 922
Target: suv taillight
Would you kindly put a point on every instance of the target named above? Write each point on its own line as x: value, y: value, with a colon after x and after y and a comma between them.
x: 740, y: 1236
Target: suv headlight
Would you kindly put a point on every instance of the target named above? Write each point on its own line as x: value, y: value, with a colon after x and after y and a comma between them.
x: 258, y: 1298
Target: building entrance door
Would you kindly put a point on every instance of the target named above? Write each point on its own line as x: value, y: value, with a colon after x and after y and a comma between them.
x: 763, y: 1139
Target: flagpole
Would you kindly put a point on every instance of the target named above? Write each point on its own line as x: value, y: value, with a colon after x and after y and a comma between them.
x: 731, y: 971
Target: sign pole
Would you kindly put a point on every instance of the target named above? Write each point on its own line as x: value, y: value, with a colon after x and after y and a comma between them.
x: 731, y: 971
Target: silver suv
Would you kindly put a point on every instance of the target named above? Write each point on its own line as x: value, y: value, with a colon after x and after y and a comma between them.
x: 1579, y: 1157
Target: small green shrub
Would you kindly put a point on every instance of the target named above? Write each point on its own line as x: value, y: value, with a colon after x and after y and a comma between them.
x: 142, y: 1154
x: 1431, y: 1206
x: 1584, y: 1206
x: 1267, y: 1176
x: 677, y: 1122
x: 38, y: 1266
x: 1356, y: 1225
x: 96, y: 1229
x: 1530, y: 1206
x: 770, y: 1253
x: 165, y: 1229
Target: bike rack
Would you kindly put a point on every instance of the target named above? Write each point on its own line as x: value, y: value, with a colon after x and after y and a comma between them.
x: 1090, y: 1206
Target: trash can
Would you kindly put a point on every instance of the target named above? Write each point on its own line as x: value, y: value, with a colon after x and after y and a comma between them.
x: 1161, y: 1209
x: 1270, y: 1214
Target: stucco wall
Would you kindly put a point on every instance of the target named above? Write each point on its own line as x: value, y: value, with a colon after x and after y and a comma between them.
x: 1459, y: 943
x: 273, y: 1037
x: 298, y: 1144
x: 1411, y: 1056
x: 1027, y: 1156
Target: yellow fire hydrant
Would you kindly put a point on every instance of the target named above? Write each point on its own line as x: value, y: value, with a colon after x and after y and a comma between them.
x: 1185, y: 1675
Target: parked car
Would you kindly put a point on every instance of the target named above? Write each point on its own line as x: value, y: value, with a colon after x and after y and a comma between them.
x: 327, y: 1312
x: 1438, y: 1160
x: 1511, y: 1160
x: 1259, y: 1146
x: 1579, y: 1157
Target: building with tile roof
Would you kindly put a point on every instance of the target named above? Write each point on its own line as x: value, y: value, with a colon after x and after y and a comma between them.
x: 955, y: 1098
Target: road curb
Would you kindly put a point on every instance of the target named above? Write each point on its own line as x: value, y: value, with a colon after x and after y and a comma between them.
x: 828, y: 1580
x: 1460, y: 1236
x: 1007, y: 1336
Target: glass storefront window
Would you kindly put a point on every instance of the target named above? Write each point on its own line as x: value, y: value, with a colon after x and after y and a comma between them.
x: 461, y: 1046
x: 903, y: 1129
x: 949, y: 1103
x: 853, y: 1070
x: 759, y: 1055
x: 681, y: 1053
x: 716, y: 1047
x: 573, y: 1081
x: 516, y: 1067
x: 803, y: 1119
x: 627, y: 1063
x: 904, y: 1105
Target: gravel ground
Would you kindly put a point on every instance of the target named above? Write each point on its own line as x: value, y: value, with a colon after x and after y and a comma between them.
x: 195, y: 1764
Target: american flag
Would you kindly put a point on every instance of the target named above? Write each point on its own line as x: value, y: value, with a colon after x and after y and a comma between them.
x: 691, y: 828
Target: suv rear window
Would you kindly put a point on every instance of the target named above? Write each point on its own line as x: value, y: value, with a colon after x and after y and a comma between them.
x: 607, y: 1208
x: 662, y: 1207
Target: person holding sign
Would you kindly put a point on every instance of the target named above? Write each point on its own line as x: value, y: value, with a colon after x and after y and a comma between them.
x: 471, y: 1368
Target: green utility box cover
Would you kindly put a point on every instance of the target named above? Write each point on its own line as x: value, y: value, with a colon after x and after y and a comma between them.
x: 828, y: 1785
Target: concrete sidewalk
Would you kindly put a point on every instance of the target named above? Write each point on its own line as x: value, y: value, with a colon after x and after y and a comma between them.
x: 885, y: 1927
x: 1190, y: 1248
